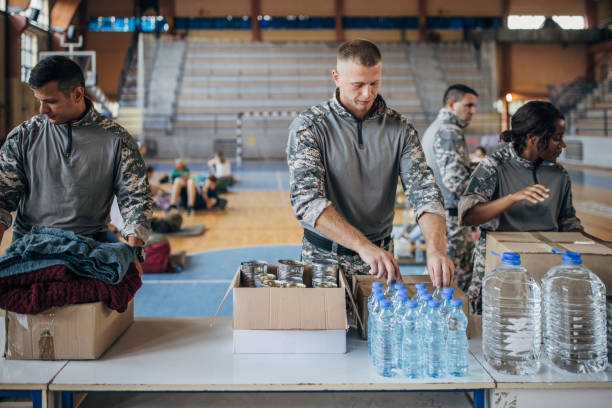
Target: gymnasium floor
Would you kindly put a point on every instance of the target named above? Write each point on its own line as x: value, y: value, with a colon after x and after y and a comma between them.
x: 259, y: 224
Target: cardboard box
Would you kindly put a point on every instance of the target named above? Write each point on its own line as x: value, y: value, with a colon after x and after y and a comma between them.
x: 535, y: 249
x: 290, y: 320
x: 362, y: 287
x: 75, y: 332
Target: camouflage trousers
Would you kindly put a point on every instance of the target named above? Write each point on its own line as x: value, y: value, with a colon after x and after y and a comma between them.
x: 475, y: 289
x: 350, y: 264
x: 459, y: 248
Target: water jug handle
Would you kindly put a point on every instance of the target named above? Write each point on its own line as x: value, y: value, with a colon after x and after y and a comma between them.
x: 558, y: 251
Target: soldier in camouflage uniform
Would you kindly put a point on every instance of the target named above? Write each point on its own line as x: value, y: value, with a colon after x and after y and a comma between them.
x: 447, y: 155
x: 63, y: 168
x: 345, y: 156
x: 520, y: 187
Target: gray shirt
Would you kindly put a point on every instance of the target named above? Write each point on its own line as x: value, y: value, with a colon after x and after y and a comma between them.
x: 66, y: 176
x: 354, y: 164
x: 505, y: 172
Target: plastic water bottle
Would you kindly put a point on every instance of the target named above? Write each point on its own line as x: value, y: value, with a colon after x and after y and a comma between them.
x: 390, y: 290
x: 423, y: 315
x: 511, y: 318
x: 448, y: 289
x: 411, y: 362
x: 457, y: 348
x: 420, y: 292
x: 434, y: 341
x: 419, y: 285
x: 375, y: 311
x: 445, y: 308
x: 574, y: 317
x: 383, y: 342
x: 398, y: 315
x: 437, y: 293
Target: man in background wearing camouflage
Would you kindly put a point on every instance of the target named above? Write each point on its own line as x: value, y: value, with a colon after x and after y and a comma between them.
x: 63, y: 168
x: 345, y: 156
x: 447, y: 155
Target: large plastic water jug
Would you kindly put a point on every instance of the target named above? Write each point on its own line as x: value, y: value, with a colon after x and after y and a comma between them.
x: 574, y: 317
x: 511, y: 318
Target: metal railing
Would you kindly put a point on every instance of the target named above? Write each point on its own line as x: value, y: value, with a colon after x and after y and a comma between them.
x: 584, y: 130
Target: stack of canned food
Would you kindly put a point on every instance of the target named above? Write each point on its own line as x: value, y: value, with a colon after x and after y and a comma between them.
x: 290, y: 274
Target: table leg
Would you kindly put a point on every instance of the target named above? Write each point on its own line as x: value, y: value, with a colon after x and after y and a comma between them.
x: 67, y: 397
x: 479, y: 398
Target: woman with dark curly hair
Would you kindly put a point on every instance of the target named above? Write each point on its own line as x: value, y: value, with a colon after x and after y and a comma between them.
x: 520, y: 187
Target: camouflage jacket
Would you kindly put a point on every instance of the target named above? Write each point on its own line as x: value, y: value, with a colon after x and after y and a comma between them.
x: 336, y: 159
x: 447, y: 155
x: 66, y: 176
x: 505, y: 172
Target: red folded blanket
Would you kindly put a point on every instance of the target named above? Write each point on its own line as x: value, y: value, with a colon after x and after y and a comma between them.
x: 35, y: 292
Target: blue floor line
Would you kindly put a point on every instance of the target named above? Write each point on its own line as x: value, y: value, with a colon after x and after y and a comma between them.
x: 592, y: 179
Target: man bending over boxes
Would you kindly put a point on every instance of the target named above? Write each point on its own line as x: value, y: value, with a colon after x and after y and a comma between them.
x: 345, y: 156
x: 63, y: 168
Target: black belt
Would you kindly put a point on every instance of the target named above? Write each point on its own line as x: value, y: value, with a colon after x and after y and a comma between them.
x: 453, y: 212
x: 327, y: 245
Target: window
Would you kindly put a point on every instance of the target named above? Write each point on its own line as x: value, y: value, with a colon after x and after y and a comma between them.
x: 2, y: 5
x: 29, y: 54
x: 125, y: 24
x: 570, y: 22
x: 516, y: 22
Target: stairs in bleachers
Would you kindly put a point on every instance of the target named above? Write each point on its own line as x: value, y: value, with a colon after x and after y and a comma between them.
x: 196, y: 92
x: 593, y: 115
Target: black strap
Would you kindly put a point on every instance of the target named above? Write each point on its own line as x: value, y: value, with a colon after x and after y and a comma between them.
x: 327, y: 245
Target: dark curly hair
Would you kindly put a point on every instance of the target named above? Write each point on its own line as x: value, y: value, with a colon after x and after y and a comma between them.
x: 535, y: 117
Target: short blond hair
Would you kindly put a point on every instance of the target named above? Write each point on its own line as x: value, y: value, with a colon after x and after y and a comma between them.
x: 179, y: 162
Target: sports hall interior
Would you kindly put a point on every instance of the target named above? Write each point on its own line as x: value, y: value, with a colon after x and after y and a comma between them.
x: 188, y: 78
x: 231, y: 75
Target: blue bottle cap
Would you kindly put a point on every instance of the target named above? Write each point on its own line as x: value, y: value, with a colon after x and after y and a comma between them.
x: 448, y: 289
x: 385, y: 303
x: 393, y: 282
x: 511, y: 258
x: 402, y: 297
x: 434, y: 303
x: 412, y: 304
x: 377, y: 284
x: 379, y: 296
x: 447, y: 296
x: 399, y: 285
x: 456, y: 302
x: 422, y: 291
x: 427, y: 297
x: 419, y: 285
x: 571, y: 258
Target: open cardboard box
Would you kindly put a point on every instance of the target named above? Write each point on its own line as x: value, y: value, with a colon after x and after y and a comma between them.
x: 362, y: 287
x: 290, y: 320
x: 74, y: 332
x: 537, y: 257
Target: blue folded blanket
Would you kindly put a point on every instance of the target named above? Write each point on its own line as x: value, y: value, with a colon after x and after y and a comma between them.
x: 44, y: 247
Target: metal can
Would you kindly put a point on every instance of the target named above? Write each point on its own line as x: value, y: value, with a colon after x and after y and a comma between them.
x: 295, y: 285
x: 326, y: 285
x: 272, y: 284
x: 324, y: 270
x: 248, y: 270
x: 290, y: 271
x: 262, y: 277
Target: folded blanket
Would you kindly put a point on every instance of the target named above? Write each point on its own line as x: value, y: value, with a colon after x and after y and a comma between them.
x: 37, y: 291
x: 44, y: 247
